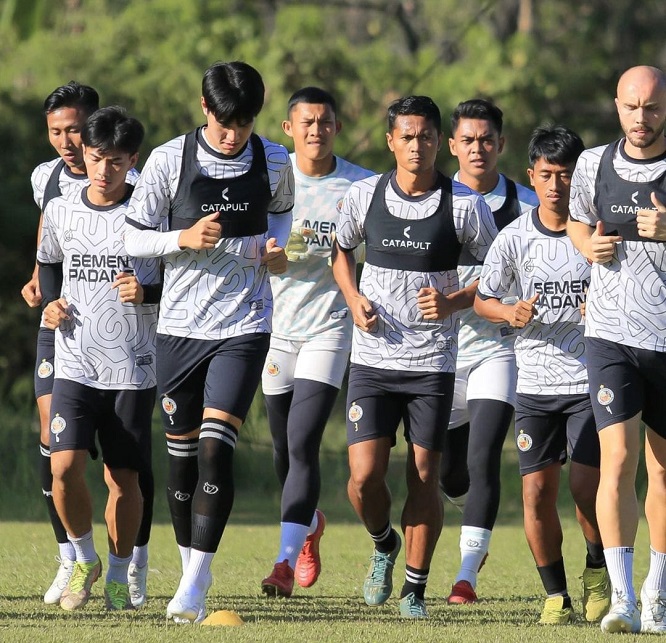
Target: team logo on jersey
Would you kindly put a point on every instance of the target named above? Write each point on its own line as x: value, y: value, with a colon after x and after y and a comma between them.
x: 272, y: 369
x: 605, y: 396
x: 524, y: 441
x: 210, y: 488
x: 58, y: 425
x: 69, y: 235
x: 225, y: 194
x: 169, y: 405
x: 355, y: 412
x: 529, y: 265
x: 257, y: 305
x: 45, y: 369
x: 182, y: 497
x: 338, y: 205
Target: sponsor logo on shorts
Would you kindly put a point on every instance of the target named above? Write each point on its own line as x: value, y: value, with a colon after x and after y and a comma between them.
x: 444, y: 344
x: 182, y: 497
x: 45, y: 369
x: 524, y: 441
x: 143, y: 360
x: 355, y: 412
x: 272, y: 369
x: 339, y: 314
x: 605, y: 396
x: 58, y: 425
x: 210, y: 488
x: 168, y: 405
x: 257, y: 305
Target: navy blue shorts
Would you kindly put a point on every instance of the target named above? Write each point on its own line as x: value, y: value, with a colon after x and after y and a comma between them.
x: 550, y: 426
x: 44, y: 364
x: 194, y: 374
x: 625, y: 381
x: 120, y: 419
x: 378, y: 400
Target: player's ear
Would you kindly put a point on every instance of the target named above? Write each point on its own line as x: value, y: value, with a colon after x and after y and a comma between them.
x: 204, y: 107
x: 500, y: 145
x: 134, y: 159
x: 286, y: 128
x: 338, y: 126
x: 389, y: 141
x: 530, y: 173
x: 452, y: 147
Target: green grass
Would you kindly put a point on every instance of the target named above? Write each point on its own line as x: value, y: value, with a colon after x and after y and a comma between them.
x: 333, y: 610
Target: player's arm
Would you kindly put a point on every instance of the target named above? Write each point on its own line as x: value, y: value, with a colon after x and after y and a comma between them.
x: 31, y: 292
x: 652, y: 223
x: 344, y: 272
x: 49, y: 258
x: 592, y: 242
x: 517, y: 315
x: 435, y: 305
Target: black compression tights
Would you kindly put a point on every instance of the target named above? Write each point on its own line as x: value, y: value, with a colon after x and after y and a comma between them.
x: 297, y: 420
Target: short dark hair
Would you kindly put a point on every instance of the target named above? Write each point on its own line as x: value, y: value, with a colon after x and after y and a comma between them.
x: 311, y: 96
x: 556, y: 144
x: 479, y: 109
x: 234, y: 92
x: 112, y: 129
x: 415, y: 106
x: 72, y: 94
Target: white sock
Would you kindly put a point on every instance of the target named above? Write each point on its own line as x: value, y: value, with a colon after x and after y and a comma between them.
x: 140, y: 556
x: 66, y: 551
x: 474, y: 543
x: 198, y: 570
x: 620, y: 564
x: 656, y: 578
x: 84, y: 547
x: 313, y: 525
x: 292, y: 537
x: 458, y: 501
x: 184, y: 557
x: 117, y: 569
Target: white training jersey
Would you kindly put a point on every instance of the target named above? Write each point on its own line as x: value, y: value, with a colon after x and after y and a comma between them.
x: 626, y: 303
x: 478, y: 338
x: 106, y: 344
x: 402, y: 339
x: 534, y: 260
x: 307, y: 299
x: 208, y: 294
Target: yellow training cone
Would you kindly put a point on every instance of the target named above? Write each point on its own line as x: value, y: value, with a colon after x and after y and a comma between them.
x: 223, y: 617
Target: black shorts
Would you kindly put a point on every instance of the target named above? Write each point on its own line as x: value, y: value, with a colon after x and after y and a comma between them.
x: 378, y: 399
x: 550, y: 426
x: 194, y: 374
x: 44, y: 364
x: 625, y: 381
x: 121, y: 420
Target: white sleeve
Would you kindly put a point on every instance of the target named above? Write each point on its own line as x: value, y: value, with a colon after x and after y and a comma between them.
x: 150, y: 243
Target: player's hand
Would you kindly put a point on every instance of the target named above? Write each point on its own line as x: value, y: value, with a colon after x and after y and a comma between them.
x: 522, y: 312
x: 274, y: 257
x: 363, y: 315
x: 652, y: 223
x: 55, y: 313
x: 600, y: 248
x: 31, y: 292
x: 583, y: 305
x: 297, y: 245
x: 130, y: 290
x: 433, y: 304
x: 203, y: 235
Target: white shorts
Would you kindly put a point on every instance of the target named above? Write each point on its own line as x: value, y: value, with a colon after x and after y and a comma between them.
x: 321, y: 359
x: 492, y: 379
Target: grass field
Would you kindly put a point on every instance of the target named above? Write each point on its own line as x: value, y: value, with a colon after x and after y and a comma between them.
x: 333, y: 610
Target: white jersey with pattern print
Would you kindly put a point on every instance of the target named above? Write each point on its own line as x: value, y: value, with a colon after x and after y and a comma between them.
x: 217, y: 293
x: 307, y: 299
x: 402, y: 339
x: 106, y: 344
x: 550, y: 350
x: 480, y: 339
x: 626, y: 303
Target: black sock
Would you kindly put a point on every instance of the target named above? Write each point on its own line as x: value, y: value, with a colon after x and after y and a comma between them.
x: 415, y: 581
x: 182, y: 480
x: 385, y: 539
x: 554, y: 578
x: 47, y: 490
x: 147, y: 486
x: 595, y: 555
x: 214, y: 495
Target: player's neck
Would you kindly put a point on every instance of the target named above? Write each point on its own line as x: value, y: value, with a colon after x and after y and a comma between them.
x: 110, y: 198
x: 315, y: 168
x: 653, y: 151
x: 416, y: 184
x: 483, y: 184
x: 552, y: 220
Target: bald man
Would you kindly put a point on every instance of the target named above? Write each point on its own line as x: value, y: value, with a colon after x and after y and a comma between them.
x: 618, y: 222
